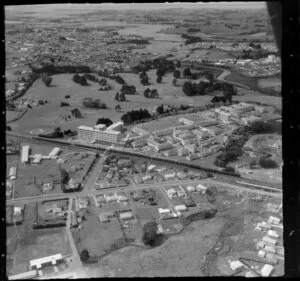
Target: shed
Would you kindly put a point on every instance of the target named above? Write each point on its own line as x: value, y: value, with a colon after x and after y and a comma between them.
x: 235, y: 265
x: 261, y: 253
x: 180, y: 208
x: 201, y: 187
x: 103, y: 217
x: 163, y: 211
x: 191, y: 188
x: 13, y: 173
x: 126, y: 216
x: 267, y: 270
x: 250, y: 274
x: 271, y: 258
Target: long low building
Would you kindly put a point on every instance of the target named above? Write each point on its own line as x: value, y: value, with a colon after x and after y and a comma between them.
x: 38, y: 263
x: 90, y: 134
x: 25, y: 154
x: 25, y: 275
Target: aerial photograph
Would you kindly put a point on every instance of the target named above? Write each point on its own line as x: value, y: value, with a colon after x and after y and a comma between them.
x: 143, y: 140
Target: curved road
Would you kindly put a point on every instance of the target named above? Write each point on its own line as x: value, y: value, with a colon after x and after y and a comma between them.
x: 223, y: 75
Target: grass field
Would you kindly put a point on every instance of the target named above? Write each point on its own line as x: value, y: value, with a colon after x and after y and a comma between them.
x: 273, y: 83
x: 95, y: 236
x: 34, y: 243
x: 178, y: 256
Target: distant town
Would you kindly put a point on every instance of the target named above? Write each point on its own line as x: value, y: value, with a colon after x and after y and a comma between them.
x: 142, y: 143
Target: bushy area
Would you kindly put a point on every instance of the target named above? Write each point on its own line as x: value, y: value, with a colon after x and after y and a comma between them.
x: 93, y: 103
x: 135, y: 115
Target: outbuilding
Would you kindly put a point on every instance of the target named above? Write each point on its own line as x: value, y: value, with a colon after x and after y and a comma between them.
x: 190, y: 188
x: 267, y: 270
x: 273, y: 233
x: 126, y: 216
x: 274, y: 220
x: 270, y: 249
x: 261, y: 253
x: 171, y: 192
x: 13, y: 173
x: 180, y: 208
x: 269, y: 240
x: 163, y: 211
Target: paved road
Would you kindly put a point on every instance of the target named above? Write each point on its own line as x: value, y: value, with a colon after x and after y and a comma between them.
x: 222, y: 76
x: 236, y: 186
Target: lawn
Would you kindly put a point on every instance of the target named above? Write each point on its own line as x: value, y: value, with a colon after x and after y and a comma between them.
x: 31, y: 177
x: 34, y: 243
x: 51, y: 115
x: 95, y: 236
x: 179, y: 256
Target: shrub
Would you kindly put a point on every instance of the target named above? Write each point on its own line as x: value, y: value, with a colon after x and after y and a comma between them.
x: 267, y: 163
x: 47, y: 80
x: 62, y: 104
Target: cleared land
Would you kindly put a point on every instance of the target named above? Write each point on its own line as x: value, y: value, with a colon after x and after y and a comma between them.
x: 34, y: 243
x: 178, y: 256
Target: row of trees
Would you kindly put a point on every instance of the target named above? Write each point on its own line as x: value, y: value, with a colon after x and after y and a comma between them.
x: 190, y: 39
x: 151, y: 93
x: 135, y: 115
x: 93, y: 103
x: 120, y: 96
x: 116, y: 78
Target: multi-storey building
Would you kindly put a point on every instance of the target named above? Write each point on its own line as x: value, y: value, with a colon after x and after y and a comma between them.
x: 90, y: 134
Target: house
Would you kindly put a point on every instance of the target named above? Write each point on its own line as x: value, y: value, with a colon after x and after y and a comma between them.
x: 110, y: 197
x: 270, y: 248
x: 171, y: 192
x: 274, y: 220
x: 122, y: 197
x: 261, y: 253
x: 201, y: 187
x: 269, y: 240
x: 103, y: 217
x: 191, y: 188
x: 170, y: 176
x: 180, y: 208
x: 260, y: 245
x: 38, y: 263
x: 267, y: 270
x: 273, y: 233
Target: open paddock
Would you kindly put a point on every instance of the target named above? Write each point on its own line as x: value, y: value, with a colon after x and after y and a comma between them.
x: 97, y: 237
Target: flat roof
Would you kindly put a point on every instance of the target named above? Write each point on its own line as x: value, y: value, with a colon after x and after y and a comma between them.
x: 45, y: 259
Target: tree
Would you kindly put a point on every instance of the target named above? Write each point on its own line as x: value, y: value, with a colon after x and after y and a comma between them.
x: 47, y: 80
x: 154, y: 94
x: 160, y: 109
x: 145, y: 80
x: 67, y: 96
x: 84, y: 255
x: 105, y: 121
x: 62, y: 104
x: 253, y: 164
x: 8, y: 128
x: 118, y: 107
x: 143, y: 74
x: 150, y: 233
x: 174, y: 82
x: 65, y: 177
x: 187, y: 88
x: 178, y: 64
x: 117, y: 96
x: 176, y: 74
x: 187, y: 72
x: 122, y: 97
x: 229, y: 169
x: 146, y: 93
x: 159, y: 79
x: 267, y: 163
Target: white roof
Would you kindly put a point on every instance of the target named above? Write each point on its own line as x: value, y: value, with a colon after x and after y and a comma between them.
x: 266, y: 270
x: 45, y: 259
x: 27, y: 275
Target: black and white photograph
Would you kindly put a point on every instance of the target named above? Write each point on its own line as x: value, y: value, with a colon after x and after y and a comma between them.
x: 143, y: 140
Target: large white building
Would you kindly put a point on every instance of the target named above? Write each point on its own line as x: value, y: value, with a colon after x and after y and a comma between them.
x: 116, y: 127
x: 54, y: 152
x: 25, y: 154
x: 90, y: 134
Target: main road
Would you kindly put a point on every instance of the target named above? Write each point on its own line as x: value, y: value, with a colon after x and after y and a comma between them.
x: 238, y: 185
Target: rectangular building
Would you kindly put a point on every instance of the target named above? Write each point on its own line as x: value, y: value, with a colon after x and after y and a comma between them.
x: 13, y: 173
x: 89, y: 134
x: 54, y: 152
x: 25, y: 154
x: 116, y: 127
